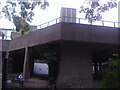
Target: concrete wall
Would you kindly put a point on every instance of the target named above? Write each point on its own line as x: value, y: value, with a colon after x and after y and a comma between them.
x: 75, y: 69
x: 89, y: 33
x: 38, y: 37
x: 4, y: 45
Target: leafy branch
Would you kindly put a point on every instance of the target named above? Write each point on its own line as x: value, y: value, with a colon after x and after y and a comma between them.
x: 112, y: 78
x: 18, y: 11
x: 93, y: 9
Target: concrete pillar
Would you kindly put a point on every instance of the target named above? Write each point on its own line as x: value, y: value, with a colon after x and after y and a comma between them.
x: 26, y: 70
x: 75, y: 70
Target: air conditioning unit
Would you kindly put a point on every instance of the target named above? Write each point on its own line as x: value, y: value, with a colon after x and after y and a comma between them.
x: 68, y: 15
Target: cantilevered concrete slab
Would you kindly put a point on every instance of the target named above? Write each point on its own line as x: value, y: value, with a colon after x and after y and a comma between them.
x: 38, y: 37
x: 68, y: 32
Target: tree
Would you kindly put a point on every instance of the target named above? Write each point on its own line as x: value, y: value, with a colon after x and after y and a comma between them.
x: 93, y: 9
x: 20, y: 11
x: 112, y: 79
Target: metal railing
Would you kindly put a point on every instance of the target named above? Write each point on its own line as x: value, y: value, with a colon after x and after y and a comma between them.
x: 80, y: 21
x: 49, y: 23
x: 5, y: 34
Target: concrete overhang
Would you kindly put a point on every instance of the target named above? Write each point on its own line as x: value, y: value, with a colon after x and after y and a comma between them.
x: 90, y: 33
x: 45, y: 35
x: 67, y: 32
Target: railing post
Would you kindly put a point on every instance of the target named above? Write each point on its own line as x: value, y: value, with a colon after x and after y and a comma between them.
x: 47, y: 24
x: 91, y: 23
x: 60, y: 19
x: 102, y: 23
x: 40, y: 26
x: 56, y: 20
x: 79, y: 20
x: 114, y: 24
x: 68, y: 19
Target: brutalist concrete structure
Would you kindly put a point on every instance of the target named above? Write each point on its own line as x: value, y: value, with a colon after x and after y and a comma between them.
x: 80, y: 46
x: 83, y: 51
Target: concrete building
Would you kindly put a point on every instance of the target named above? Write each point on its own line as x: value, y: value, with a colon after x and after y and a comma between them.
x: 80, y: 46
x: 83, y: 51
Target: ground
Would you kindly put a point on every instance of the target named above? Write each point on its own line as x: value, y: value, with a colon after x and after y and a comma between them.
x: 30, y: 83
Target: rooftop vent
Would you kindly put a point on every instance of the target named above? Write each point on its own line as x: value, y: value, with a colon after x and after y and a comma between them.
x: 68, y: 15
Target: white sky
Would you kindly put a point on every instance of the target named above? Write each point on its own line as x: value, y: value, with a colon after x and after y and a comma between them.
x: 53, y: 11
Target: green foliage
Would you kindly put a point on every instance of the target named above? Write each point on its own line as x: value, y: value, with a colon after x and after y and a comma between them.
x: 93, y: 9
x: 25, y: 29
x: 51, y: 56
x: 21, y: 10
x: 21, y: 25
x: 16, y: 21
x: 112, y: 79
x: 114, y: 62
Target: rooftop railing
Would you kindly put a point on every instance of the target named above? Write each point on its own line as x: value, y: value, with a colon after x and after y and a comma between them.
x: 80, y: 21
x: 7, y: 32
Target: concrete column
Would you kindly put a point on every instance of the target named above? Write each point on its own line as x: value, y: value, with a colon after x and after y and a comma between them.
x: 75, y: 70
x: 26, y: 70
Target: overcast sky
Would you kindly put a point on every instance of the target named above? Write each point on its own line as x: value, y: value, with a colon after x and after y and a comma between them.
x: 53, y: 11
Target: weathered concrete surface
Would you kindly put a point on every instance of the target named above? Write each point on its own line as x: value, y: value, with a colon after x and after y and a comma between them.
x: 36, y: 83
x: 70, y: 32
x: 89, y: 33
x: 31, y: 83
x: 75, y: 69
x: 38, y: 37
x: 4, y: 45
x: 78, y: 42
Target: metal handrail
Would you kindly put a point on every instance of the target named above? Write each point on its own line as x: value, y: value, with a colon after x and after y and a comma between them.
x: 59, y: 19
x: 5, y: 31
x: 79, y: 21
x: 48, y: 23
